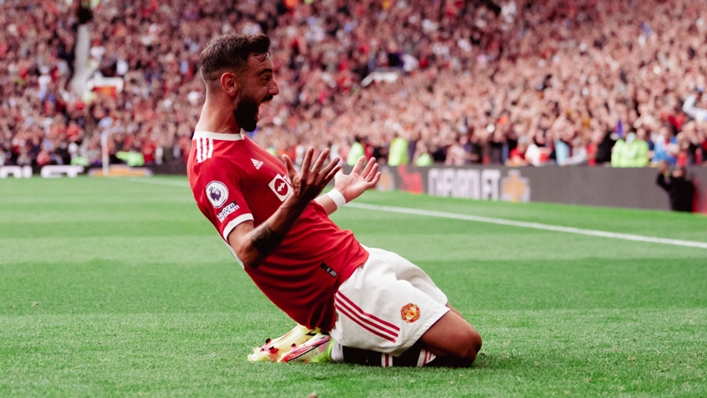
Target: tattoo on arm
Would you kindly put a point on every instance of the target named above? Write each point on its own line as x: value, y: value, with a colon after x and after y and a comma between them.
x: 265, y: 240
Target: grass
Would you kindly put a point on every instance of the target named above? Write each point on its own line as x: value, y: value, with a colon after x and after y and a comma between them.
x: 118, y: 288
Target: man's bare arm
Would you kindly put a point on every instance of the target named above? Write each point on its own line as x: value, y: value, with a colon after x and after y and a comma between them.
x: 265, y: 240
x: 327, y: 203
x: 253, y: 245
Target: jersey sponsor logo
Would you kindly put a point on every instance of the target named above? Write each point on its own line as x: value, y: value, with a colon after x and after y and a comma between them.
x: 410, y: 313
x: 226, y: 211
x: 256, y: 163
x: 217, y: 193
x: 281, y: 186
x: 204, y: 148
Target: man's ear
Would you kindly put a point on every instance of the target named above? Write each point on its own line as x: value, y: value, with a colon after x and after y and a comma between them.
x: 230, y: 84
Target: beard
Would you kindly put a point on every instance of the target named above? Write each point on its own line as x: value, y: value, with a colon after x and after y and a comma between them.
x: 246, y: 113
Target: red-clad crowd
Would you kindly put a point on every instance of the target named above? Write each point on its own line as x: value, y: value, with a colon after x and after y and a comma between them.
x: 519, y: 82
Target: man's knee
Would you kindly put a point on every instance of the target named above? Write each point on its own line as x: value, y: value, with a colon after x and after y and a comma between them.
x: 453, y: 338
x: 473, y: 345
x: 469, y: 346
x: 464, y: 354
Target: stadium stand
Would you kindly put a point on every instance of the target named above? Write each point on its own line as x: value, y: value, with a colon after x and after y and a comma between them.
x: 456, y: 82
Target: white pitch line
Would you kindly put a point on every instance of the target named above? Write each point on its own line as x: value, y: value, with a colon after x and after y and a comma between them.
x: 523, y: 224
x: 488, y: 220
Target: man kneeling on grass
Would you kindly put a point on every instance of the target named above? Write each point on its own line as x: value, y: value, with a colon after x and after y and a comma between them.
x: 356, y: 304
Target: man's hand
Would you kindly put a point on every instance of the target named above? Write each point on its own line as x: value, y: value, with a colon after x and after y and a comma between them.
x: 663, y: 167
x: 253, y: 245
x: 357, y: 182
x: 309, y: 183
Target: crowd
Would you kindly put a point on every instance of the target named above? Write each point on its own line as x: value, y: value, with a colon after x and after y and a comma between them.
x: 520, y: 82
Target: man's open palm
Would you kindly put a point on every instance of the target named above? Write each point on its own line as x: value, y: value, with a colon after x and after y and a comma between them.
x: 358, y: 181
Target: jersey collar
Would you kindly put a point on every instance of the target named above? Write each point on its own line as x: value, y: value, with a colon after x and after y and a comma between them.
x: 217, y: 136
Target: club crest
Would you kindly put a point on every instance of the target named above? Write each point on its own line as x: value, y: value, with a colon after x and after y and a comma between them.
x: 217, y: 193
x: 410, y: 313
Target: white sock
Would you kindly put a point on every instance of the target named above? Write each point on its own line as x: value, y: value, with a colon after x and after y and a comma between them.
x: 337, y: 352
x: 425, y: 358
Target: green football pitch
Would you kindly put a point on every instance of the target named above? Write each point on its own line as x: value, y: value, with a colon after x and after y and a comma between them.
x: 119, y: 287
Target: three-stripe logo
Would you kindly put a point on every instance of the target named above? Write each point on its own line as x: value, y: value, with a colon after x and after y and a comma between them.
x: 204, y: 148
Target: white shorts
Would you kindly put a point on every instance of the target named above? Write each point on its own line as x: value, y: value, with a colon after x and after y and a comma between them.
x: 386, y: 305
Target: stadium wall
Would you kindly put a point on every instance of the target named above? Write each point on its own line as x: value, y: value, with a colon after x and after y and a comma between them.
x: 592, y: 186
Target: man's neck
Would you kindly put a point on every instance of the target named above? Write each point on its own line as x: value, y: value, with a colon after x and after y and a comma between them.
x: 217, y: 118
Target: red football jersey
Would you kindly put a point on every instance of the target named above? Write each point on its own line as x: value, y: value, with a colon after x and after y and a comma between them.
x: 234, y: 180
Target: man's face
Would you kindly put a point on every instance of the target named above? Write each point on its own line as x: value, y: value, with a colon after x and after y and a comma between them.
x: 257, y: 86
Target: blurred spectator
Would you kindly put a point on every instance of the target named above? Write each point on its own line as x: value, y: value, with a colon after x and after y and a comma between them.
x: 680, y: 190
x: 462, y: 82
x: 422, y: 157
x: 580, y: 153
x: 355, y: 152
x: 398, y: 151
x: 517, y: 155
x: 633, y: 152
x: 666, y: 146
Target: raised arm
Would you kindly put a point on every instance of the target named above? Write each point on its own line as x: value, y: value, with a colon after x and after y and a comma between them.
x: 253, y: 245
x: 662, y: 173
x: 691, y: 110
x: 352, y: 185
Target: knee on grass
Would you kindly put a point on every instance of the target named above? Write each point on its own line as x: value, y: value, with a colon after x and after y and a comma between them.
x: 468, y: 346
x: 472, y: 345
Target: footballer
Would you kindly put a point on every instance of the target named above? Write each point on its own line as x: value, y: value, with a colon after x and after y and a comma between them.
x: 352, y: 303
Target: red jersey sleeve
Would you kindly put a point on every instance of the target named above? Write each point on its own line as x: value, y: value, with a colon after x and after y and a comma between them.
x: 220, y: 198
